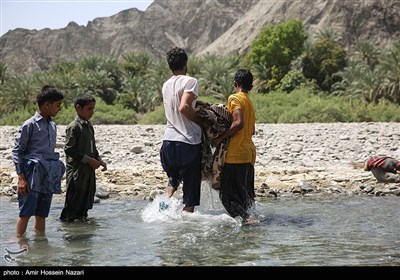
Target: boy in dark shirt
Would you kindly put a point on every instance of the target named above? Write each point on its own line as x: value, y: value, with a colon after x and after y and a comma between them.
x: 82, y: 160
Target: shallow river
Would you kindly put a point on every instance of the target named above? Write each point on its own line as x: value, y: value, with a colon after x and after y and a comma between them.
x: 304, y: 231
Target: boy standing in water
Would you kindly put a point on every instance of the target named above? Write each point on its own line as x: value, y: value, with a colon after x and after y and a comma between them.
x: 38, y: 166
x: 82, y: 159
x: 237, y: 175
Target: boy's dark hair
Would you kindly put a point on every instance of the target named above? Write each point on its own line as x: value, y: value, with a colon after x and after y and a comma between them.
x: 176, y: 58
x: 49, y: 94
x: 244, y: 79
x: 83, y: 99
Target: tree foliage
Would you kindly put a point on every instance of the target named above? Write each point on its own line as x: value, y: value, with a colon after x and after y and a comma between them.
x: 272, y: 52
x: 322, y: 61
x: 372, y: 75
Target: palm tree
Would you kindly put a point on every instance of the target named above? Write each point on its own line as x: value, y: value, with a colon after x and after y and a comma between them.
x: 194, y: 66
x: 262, y: 74
x: 100, y: 76
x: 128, y: 97
x: 3, y: 70
x: 359, y: 81
x: 64, y: 81
x: 136, y: 63
x: 365, y: 51
x: 157, y: 74
x: 223, y: 86
x: 389, y: 68
x: 19, y: 93
x: 328, y: 33
x: 215, y: 74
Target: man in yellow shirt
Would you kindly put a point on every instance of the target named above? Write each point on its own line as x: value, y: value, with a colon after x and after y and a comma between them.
x: 237, y: 175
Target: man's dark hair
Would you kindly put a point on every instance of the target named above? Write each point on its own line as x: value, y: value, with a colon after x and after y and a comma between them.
x: 177, y: 58
x: 83, y: 99
x: 49, y: 94
x: 244, y: 79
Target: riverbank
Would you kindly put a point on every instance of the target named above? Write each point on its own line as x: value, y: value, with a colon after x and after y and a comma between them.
x: 292, y: 159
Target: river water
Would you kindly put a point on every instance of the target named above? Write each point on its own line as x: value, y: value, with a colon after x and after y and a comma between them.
x: 295, y: 231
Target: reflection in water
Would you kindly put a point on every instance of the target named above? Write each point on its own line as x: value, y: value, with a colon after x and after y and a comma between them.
x: 79, y: 238
x: 201, y: 246
x: 37, y: 244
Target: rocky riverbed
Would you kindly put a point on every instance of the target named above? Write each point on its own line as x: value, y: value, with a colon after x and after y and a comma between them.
x: 292, y: 159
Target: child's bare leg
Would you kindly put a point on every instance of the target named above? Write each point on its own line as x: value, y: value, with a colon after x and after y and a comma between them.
x: 22, y: 224
x: 40, y: 225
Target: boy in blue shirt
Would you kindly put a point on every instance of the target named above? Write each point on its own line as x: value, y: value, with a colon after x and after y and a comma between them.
x: 38, y: 166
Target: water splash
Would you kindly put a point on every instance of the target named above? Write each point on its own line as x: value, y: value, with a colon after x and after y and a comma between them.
x: 209, y: 212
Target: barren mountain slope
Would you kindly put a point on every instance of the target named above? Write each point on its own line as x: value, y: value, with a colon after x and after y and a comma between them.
x: 199, y: 26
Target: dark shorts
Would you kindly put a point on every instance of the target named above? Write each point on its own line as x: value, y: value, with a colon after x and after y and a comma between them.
x: 35, y: 204
x: 182, y: 163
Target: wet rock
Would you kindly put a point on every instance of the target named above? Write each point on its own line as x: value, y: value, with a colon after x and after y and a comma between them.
x: 102, y: 194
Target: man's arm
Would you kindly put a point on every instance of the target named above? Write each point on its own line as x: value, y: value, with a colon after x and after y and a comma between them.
x: 237, y: 124
x: 186, y: 109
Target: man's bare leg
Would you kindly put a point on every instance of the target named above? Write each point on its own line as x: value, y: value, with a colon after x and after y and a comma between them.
x: 188, y: 209
x: 250, y: 220
x: 170, y: 190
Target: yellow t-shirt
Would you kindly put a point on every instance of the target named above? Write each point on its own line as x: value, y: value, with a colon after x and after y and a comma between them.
x: 241, y: 148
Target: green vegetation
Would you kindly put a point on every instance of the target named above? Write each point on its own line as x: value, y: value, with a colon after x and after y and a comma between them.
x: 295, y: 80
x: 273, y: 50
x: 302, y: 106
x: 322, y: 61
x: 104, y: 114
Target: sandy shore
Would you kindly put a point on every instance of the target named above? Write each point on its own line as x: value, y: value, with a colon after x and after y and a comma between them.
x: 292, y: 159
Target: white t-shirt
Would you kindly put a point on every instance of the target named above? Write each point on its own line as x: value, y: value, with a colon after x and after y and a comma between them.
x: 179, y: 128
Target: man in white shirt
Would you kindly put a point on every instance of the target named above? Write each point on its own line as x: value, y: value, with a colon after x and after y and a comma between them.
x: 180, y: 152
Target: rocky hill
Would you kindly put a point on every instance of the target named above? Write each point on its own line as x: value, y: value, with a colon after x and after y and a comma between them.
x: 199, y: 26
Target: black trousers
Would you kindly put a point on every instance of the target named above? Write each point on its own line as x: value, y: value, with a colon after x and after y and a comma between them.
x: 237, y: 188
